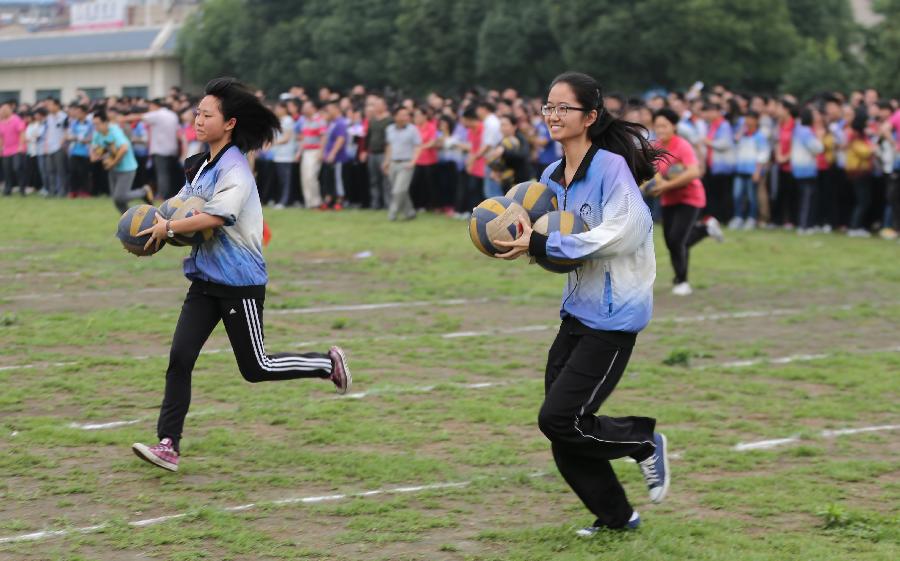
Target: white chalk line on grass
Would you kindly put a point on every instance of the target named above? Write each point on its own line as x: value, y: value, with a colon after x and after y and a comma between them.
x: 451, y: 335
x: 377, y: 306
x: 481, y: 385
x: 43, y: 274
x: 35, y: 536
x: 774, y: 443
x: 143, y: 291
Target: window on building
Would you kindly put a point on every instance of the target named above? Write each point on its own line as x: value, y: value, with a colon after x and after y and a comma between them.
x: 41, y: 95
x: 94, y: 93
x: 134, y: 91
x: 9, y: 95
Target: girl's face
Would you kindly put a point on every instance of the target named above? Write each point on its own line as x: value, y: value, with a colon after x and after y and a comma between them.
x: 507, y: 128
x: 280, y: 111
x: 664, y: 128
x: 210, y: 124
x: 419, y: 118
x: 574, y: 124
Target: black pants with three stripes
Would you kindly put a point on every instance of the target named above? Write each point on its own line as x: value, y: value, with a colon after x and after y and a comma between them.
x: 241, y: 310
x: 583, y: 367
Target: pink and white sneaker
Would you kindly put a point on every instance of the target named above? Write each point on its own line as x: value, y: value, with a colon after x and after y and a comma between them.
x: 340, y: 372
x: 162, y: 455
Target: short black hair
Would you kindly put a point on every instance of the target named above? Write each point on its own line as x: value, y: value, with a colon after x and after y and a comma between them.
x: 255, y: 124
x: 486, y: 104
x: 668, y: 115
x: 470, y: 113
x: 99, y: 113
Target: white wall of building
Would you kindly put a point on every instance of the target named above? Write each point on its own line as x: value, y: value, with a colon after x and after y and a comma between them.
x: 158, y: 75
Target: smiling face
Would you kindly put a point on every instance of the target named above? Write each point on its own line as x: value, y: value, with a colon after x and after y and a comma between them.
x: 575, y: 123
x: 663, y: 128
x: 210, y: 124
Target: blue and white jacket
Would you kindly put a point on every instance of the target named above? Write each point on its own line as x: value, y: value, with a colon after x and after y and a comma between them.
x: 720, y: 157
x: 805, y: 146
x: 752, y: 150
x: 233, y: 256
x: 613, y: 289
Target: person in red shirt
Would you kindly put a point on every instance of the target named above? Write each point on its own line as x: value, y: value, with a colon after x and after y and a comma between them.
x: 785, y: 203
x: 424, y: 191
x: 682, y: 198
x: 475, y: 166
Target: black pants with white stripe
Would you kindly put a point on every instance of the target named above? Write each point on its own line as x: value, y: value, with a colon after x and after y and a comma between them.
x: 583, y: 367
x: 241, y: 310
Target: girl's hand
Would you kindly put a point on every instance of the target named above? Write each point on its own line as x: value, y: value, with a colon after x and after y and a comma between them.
x: 518, y: 246
x: 158, y: 233
x: 661, y: 187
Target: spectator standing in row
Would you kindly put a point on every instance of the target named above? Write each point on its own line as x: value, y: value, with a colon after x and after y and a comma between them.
x: 283, y: 151
x: 312, y: 132
x: 12, y: 138
x: 54, y: 146
x: 403, y: 147
x: 79, y: 136
x: 335, y: 156
x: 163, y: 125
x: 378, y: 119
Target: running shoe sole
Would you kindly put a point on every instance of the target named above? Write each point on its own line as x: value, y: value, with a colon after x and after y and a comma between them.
x: 347, y: 378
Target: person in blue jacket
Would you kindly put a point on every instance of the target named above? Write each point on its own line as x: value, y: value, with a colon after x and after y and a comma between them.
x: 606, y: 302
x: 227, y: 272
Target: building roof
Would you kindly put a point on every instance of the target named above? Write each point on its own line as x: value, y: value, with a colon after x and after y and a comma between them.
x: 89, y: 46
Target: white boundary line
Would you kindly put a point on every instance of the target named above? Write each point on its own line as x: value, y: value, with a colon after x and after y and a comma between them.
x: 481, y: 385
x: 35, y: 536
x: 460, y: 334
x: 378, y: 306
x: 768, y: 444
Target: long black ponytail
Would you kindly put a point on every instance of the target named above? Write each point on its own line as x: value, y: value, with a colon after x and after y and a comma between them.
x: 608, y: 132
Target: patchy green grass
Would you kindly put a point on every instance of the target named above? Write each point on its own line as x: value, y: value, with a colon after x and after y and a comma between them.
x: 452, y: 392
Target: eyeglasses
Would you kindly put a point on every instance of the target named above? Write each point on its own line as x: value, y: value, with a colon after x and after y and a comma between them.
x: 561, y: 109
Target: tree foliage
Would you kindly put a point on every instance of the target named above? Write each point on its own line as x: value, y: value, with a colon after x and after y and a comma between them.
x: 420, y: 45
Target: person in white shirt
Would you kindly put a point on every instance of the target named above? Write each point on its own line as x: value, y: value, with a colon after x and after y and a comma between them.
x: 164, y: 150
x: 491, y: 136
x: 55, y: 149
x: 284, y: 150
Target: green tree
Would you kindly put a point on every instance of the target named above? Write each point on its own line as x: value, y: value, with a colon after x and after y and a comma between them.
x: 515, y: 48
x: 818, y: 67
x: 883, y: 47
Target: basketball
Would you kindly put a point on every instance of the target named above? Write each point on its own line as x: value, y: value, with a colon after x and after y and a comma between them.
x: 137, y: 219
x: 536, y: 198
x: 191, y: 206
x: 495, y: 219
x: 566, y: 223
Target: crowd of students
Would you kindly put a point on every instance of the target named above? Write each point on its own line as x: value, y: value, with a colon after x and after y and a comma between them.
x: 828, y: 163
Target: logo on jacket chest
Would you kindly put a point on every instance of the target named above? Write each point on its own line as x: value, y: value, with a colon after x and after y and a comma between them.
x: 590, y: 217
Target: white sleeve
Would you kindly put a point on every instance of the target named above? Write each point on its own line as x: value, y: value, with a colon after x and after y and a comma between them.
x: 625, y: 227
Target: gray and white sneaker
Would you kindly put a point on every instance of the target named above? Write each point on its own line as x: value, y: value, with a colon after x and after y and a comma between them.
x: 714, y: 229
x: 682, y: 289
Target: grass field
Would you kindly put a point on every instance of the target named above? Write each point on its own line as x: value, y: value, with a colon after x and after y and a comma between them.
x: 448, y: 371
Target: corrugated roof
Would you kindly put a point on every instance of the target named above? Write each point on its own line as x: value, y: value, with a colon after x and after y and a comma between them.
x: 73, y: 44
